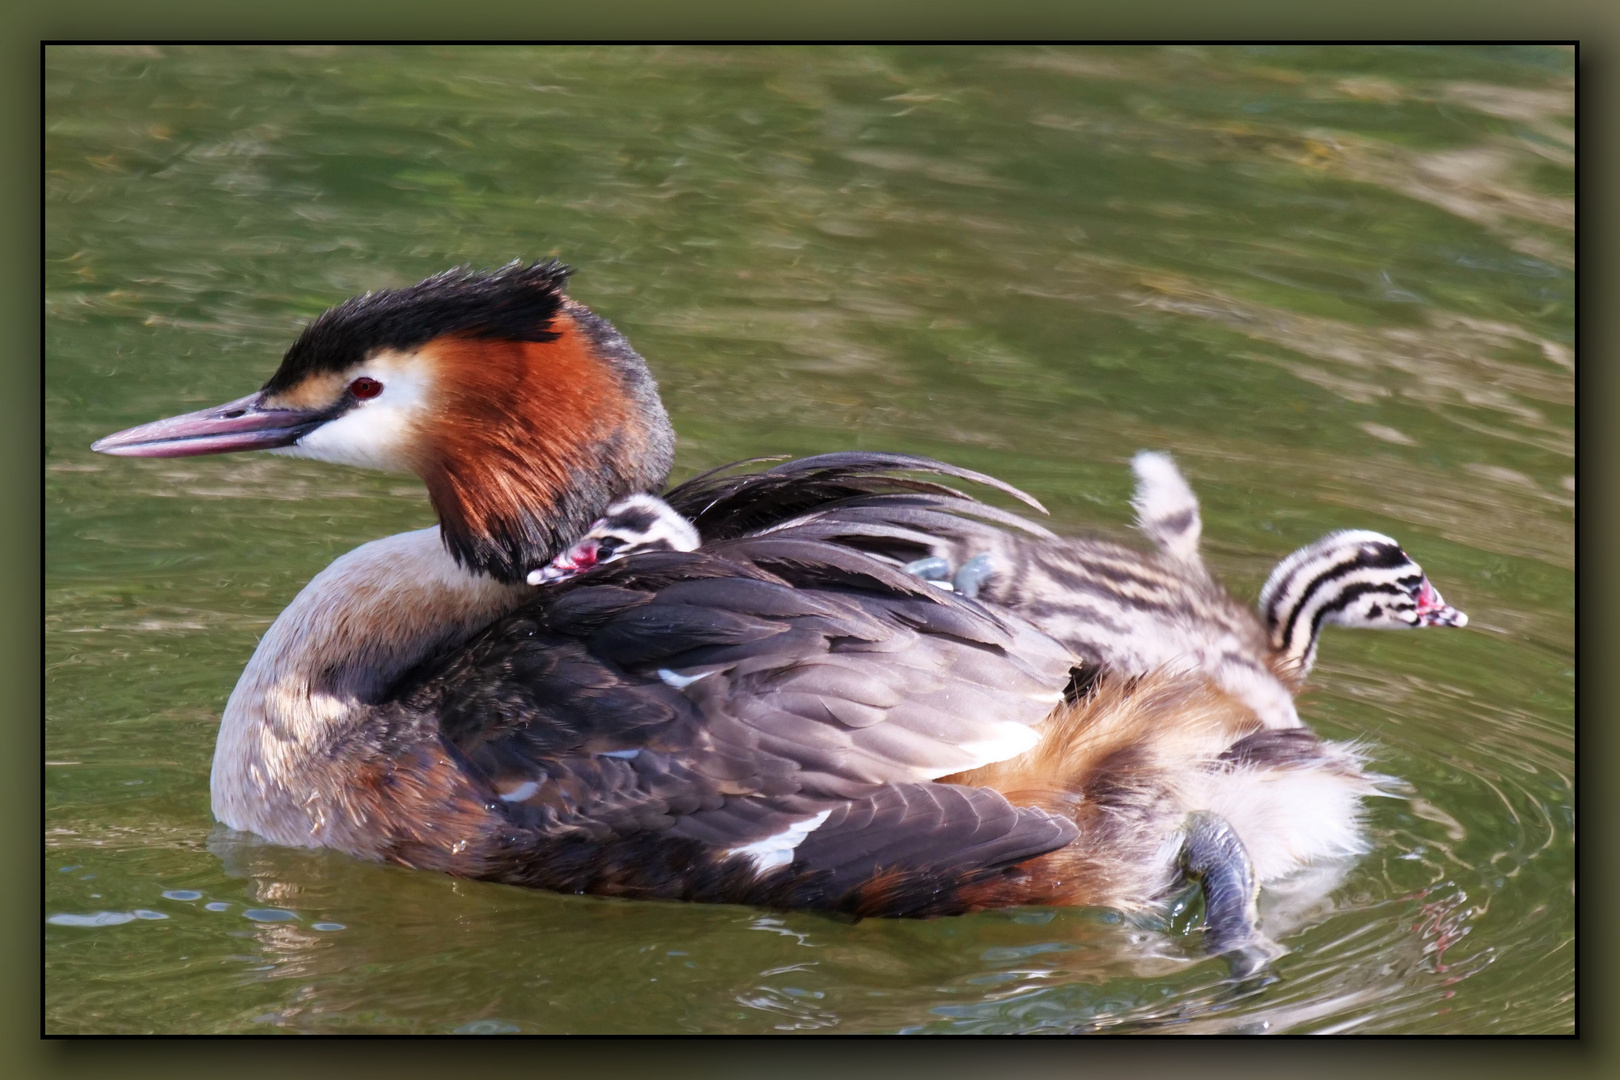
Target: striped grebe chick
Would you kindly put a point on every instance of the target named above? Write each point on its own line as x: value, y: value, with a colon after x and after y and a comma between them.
x: 1129, y: 612
x: 634, y: 524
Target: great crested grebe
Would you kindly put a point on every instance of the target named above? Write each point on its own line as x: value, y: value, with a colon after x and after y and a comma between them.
x: 779, y: 715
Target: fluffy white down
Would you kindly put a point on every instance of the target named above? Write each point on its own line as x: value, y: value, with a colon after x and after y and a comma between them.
x: 1290, y: 818
x: 1162, y: 493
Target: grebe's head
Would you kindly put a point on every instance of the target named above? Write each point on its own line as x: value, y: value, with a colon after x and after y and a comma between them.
x: 633, y: 524
x: 524, y: 412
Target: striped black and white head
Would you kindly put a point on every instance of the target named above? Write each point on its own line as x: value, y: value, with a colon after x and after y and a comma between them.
x: 633, y: 524
x: 1354, y: 578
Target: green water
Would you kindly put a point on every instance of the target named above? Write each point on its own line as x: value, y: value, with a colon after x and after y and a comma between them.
x: 1337, y: 283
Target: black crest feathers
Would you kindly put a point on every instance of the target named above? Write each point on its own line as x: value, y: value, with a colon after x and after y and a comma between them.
x: 515, y: 303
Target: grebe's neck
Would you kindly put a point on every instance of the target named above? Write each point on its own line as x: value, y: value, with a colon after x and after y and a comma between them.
x: 534, y: 440
x: 310, y: 689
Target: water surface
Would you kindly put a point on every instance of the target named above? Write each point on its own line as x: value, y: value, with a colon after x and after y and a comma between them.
x: 1337, y: 283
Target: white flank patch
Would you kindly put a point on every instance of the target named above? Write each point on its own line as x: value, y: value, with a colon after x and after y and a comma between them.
x: 623, y: 754
x: 521, y: 792
x: 775, y: 851
x: 680, y: 682
x: 1009, y: 741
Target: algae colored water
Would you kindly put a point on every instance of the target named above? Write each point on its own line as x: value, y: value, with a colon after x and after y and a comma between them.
x: 1336, y: 283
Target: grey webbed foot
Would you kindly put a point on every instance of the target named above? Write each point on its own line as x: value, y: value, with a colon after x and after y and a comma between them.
x: 1217, y: 858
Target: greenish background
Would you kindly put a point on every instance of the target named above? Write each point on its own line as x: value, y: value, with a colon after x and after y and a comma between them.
x: 1336, y: 282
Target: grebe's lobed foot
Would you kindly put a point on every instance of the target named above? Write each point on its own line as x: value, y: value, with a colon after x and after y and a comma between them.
x: 968, y: 579
x: 1215, y: 855
x: 933, y: 568
x: 971, y: 576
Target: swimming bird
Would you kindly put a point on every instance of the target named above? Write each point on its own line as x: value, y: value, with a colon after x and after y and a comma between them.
x: 780, y: 716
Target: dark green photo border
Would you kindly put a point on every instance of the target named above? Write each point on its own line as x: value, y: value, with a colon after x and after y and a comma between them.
x: 1595, y: 24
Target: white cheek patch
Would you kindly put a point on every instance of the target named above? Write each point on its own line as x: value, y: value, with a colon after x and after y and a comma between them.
x: 377, y: 433
x: 675, y: 531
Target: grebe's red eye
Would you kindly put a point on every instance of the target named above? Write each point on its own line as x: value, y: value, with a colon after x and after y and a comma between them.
x: 365, y: 388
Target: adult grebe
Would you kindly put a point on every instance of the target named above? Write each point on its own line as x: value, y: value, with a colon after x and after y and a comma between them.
x: 782, y: 716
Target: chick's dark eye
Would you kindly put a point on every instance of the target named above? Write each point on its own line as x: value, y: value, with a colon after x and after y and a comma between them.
x: 365, y: 388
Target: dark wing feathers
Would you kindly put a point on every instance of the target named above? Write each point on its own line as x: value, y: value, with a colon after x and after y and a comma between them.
x: 766, y: 697
x: 915, y: 515
x: 751, y: 597
x: 925, y: 833
x: 911, y: 837
x: 724, y: 506
x: 787, y: 555
x: 867, y: 462
x: 656, y: 633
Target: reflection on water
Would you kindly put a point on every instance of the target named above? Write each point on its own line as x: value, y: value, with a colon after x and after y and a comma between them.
x: 1336, y: 282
